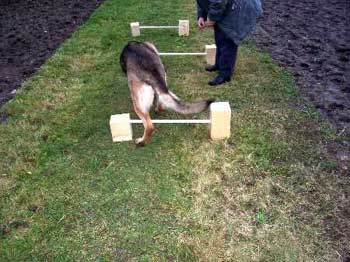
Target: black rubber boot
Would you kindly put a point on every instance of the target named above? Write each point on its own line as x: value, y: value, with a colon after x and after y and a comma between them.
x: 218, y: 80
x: 211, y: 68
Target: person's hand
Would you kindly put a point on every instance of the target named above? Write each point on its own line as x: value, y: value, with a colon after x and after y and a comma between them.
x: 201, y: 23
x: 209, y: 23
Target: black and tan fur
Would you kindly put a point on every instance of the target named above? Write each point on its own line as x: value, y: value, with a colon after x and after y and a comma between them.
x: 147, y: 81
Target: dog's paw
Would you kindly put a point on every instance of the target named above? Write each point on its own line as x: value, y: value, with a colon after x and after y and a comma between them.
x: 140, y: 142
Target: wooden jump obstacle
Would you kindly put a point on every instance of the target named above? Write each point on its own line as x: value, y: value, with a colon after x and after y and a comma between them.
x: 219, y: 123
x: 183, y: 27
x: 210, y: 54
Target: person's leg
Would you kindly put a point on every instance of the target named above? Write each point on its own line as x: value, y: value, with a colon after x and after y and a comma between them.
x: 228, y: 57
x: 215, y: 67
x: 218, y: 45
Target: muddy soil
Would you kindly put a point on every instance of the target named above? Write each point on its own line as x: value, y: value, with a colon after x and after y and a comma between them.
x: 312, y: 39
x: 30, y: 32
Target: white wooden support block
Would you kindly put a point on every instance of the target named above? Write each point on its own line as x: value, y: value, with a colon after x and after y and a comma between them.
x: 210, y: 50
x: 220, y: 118
x: 135, y: 29
x: 121, y: 127
x: 184, y: 27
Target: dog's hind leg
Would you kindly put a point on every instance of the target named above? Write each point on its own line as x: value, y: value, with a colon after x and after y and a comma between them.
x: 142, y: 96
x: 147, y: 123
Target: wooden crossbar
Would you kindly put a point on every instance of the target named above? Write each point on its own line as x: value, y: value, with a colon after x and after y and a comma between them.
x: 179, y: 54
x: 173, y: 121
x: 156, y: 27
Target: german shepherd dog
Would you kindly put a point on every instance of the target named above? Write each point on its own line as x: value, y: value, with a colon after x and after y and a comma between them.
x: 147, y: 81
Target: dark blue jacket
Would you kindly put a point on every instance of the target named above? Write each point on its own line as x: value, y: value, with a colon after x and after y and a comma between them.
x: 236, y: 18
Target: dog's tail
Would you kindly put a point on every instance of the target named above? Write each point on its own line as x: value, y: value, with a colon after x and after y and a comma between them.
x: 171, y: 101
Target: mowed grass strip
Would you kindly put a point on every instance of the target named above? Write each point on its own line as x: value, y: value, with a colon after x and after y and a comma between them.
x: 268, y: 193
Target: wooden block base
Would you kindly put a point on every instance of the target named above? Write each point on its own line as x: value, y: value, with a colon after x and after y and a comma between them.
x: 121, y: 127
x: 220, y: 117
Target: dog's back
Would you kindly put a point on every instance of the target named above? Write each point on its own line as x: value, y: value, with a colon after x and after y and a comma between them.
x: 141, y: 59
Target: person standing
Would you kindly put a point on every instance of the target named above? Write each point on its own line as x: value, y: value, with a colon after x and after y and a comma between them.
x: 232, y: 21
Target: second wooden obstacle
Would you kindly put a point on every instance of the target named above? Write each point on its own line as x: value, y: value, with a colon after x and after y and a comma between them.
x: 183, y: 27
x: 210, y: 54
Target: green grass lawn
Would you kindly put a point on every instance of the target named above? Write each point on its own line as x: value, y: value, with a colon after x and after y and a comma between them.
x: 268, y: 193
